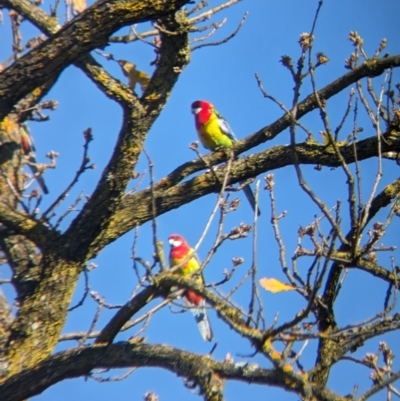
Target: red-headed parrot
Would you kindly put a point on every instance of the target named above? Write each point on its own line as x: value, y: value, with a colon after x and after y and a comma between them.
x: 214, y: 132
x: 179, y: 251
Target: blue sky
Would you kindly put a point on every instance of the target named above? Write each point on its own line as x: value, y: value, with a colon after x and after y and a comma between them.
x: 223, y: 75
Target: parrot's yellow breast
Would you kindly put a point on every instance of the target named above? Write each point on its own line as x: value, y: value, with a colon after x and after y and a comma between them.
x: 212, y: 136
x: 189, y: 267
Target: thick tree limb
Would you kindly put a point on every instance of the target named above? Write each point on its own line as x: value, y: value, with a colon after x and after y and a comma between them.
x: 81, y: 361
x: 64, y: 259
x: 24, y: 263
x: 384, y: 198
x: 113, y: 327
x: 34, y: 14
x: 39, y: 320
x: 137, y: 121
x: 5, y: 322
x: 169, y: 194
x: 162, y: 283
x: 19, y: 222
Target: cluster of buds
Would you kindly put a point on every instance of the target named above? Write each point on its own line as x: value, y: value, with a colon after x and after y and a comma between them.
x: 194, y: 145
x: 377, y: 232
x: 150, y: 396
x: 306, y: 40
x: 309, y: 230
x: 350, y: 62
x: 233, y: 205
x: 240, y: 232
x: 356, y: 38
x: 381, y: 47
x: 237, y: 261
x: 322, y: 58
x: 287, y: 62
x: 379, y: 374
x: 269, y: 182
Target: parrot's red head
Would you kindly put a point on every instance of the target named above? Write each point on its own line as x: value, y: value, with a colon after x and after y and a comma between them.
x: 176, y: 241
x: 179, y: 246
x: 202, y: 111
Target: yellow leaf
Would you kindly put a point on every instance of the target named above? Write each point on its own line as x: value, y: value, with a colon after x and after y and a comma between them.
x: 273, y: 285
x: 135, y: 76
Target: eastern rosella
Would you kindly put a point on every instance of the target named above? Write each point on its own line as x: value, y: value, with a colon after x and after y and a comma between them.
x: 214, y: 132
x: 29, y: 148
x: 179, y: 251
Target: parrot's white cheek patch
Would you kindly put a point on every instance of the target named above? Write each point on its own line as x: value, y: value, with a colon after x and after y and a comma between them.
x: 174, y: 243
x: 196, y: 110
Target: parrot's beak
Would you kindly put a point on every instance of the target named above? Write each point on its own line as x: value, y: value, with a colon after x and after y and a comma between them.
x: 196, y: 110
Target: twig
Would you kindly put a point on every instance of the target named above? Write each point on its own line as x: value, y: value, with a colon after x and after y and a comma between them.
x: 157, y: 249
x: 85, y: 293
x: 350, y: 180
x: 112, y: 378
x: 199, y: 6
x: 78, y: 335
x: 101, y: 301
x: 93, y: 324
x: 392, y: 286
x: 220, y: 42
x: 255, y: 296
x: 270, y: 184
x: 218, y: 239
x: 363, y: 221
x: 83, y: 167
x: 345, y: 115
x: 70, y: 209
x: 215, y: 26
x: 217, y: 205
x: 134, y: 257
x: 357, y: 164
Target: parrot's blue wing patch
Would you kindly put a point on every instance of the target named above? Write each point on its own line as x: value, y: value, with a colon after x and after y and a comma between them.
x: 225, y: 128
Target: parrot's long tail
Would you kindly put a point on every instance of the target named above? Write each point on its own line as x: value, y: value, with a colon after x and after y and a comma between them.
x: 250, y: 197
x: 200, y: 314
x: 38, y: 177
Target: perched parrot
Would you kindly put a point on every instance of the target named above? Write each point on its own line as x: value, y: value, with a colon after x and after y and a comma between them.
x: 214, y: 132
x: 29, y: 148
x: 196, y: 303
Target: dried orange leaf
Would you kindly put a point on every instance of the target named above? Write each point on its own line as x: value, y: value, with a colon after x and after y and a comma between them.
x: 135, y: 76
x: 273, y: 285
